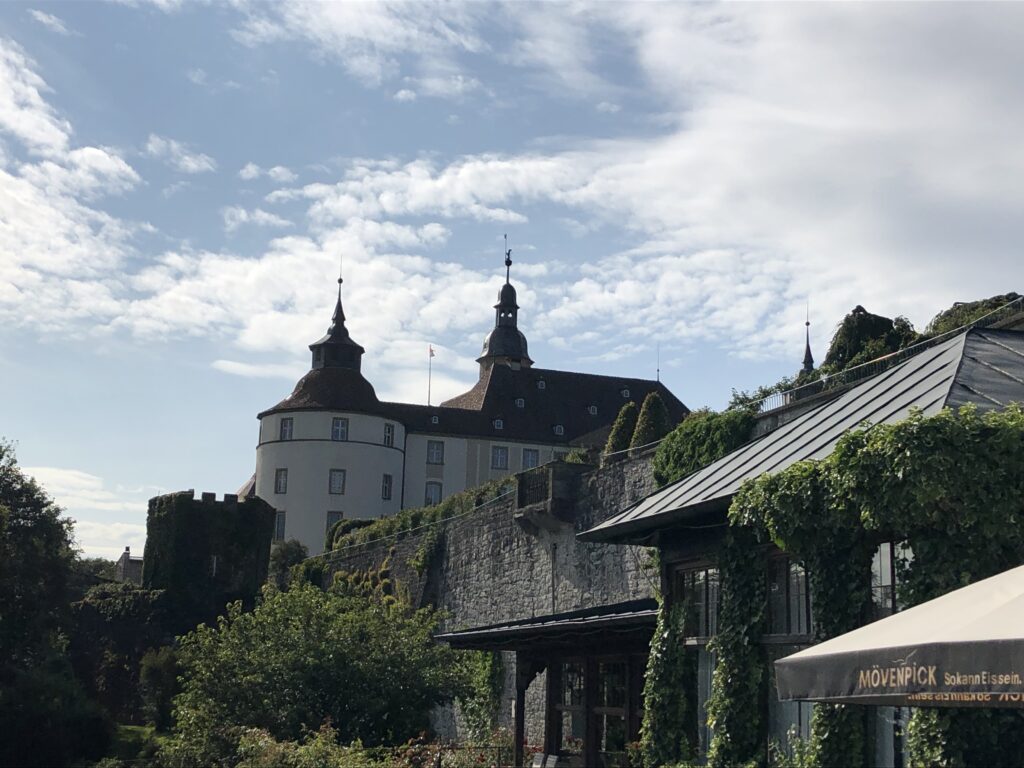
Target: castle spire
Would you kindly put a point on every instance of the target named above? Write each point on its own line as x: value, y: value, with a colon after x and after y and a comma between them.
x: 505, y: 344
x: 808, y: 357
x: 337, y: 349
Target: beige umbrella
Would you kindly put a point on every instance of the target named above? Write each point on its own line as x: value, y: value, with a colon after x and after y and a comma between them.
x: 965, y: 648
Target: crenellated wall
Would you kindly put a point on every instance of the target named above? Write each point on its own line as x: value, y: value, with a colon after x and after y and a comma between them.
x: 518, y: 557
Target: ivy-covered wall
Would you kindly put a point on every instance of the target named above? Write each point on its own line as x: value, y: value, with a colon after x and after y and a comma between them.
x: 185, y: 534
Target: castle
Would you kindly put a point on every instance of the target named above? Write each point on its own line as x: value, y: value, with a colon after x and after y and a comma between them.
x: 333, y: 451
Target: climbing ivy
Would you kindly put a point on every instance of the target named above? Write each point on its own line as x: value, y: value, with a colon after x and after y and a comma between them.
x: 701, y: 438
x: 668, y: 684
x: 482, y: 704
x: 950, y: 487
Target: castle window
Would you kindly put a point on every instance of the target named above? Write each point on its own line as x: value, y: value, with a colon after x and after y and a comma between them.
x: 499, y: 424
x: 434, y: 420
x: 281, y: 481
x: 531, y: 458
x: 337, y: 481
x: 592, y: 410
x: 285, y: 432
x: 389, y: 434
x: 433, y: 494
x: 542, y: 384
x: 435, y: 452
x: 520, y: 402
x: 625, y: 394
x: 559, y: 430
x: 385, y: 487
x: 789, y: 600
x: 339, y: 429
x: 333, y: 518
x: 499, y: 457
x: 279, y: 526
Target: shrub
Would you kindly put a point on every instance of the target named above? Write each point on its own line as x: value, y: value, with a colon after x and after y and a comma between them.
x: 622, y: 431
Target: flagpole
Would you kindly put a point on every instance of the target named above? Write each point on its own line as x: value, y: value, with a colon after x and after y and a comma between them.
x: 430, y: 370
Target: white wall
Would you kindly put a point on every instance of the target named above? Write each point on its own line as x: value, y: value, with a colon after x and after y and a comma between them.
x: 310, y: 456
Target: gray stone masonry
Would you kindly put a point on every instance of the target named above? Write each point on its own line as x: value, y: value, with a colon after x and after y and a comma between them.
x: 518, y: 557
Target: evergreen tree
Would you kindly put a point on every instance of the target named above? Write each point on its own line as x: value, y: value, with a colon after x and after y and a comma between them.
x: 653, y: 422
x: 622, y: 430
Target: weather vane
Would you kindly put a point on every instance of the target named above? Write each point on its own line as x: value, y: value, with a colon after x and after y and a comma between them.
x: 508, y: 259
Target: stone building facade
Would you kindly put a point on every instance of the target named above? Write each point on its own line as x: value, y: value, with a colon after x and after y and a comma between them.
x: 518, y: 557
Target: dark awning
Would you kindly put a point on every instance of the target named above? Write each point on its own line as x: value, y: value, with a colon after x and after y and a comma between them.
x: 636, y: 617
x: 965, y: 648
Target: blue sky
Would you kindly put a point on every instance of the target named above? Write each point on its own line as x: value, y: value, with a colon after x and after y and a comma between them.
x: 178, y: 181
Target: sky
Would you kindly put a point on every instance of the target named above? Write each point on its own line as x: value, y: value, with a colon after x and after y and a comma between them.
x: 180, y: 181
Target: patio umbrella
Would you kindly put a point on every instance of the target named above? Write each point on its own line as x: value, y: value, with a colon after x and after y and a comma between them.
x: 965, y: 648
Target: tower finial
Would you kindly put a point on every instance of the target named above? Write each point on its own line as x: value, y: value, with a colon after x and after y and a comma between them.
x: 508, y: 260
x: 808, y: 357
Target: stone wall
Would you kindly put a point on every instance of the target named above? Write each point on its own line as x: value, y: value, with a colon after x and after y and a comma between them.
x: 518, y: 557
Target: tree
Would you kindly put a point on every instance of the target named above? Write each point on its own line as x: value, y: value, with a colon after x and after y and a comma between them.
x: 47, y: 719
x: 305, y: 657
x: 158, y: 680
x: 653, y: 422
x: 622, y: 431
x: 282, y: 557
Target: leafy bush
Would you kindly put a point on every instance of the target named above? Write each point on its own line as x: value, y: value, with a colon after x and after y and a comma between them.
x: 622, y: 431
x: 963, y: 313
x: 282, y: 557
x: 305, y: 657
x: 701, y: 438
x: 653, y: 422
x: 158, y: 682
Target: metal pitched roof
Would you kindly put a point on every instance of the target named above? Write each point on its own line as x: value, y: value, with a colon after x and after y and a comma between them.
x: 983, y: 367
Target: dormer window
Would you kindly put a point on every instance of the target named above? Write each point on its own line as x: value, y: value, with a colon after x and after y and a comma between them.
x: 559, y: 429
x: 520, y: 402
x: 434, y: 420
x: 499, y: 423
x: 592, y: 410
x: 542, y: 384
x: 625, y: 394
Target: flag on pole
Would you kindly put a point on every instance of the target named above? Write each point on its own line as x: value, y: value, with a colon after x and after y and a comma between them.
x: 431, y: 348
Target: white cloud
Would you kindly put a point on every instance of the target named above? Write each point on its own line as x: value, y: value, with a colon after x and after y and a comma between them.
x: 198, y: 76
x: 98, y: 539
x: 607, y: 107
x: 281, y: 174
x: 289, y: 372
x: 178, y: 156
x: 249, y: 171
x: 235, y: 216
x: 278, y: 173
x: 51, y: 22
x: 24, y: 114
x: 405, y: 95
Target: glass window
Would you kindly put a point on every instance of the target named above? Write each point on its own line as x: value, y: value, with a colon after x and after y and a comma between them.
x: 569, y: 706
x: 499, y: 424
x: 435, y: 452
x: 339, y: 429
x: 279, y: 526
x: 625, y: 393
x: 610, y: 712
x: 542, y: 384
x: 531, y: 458
x: 433, y: 494
x: 434, y: 420
x: 789, y: 604
x: 786, y: 717
x: 385, y: 487
x: 285, y: 432
x: 699, y: 590
x: 592, y: 410
x: 332, y: 519
x: 337, y: 482
x: 389, y: 434
x: 281, y: 481
x: 883, y: 579
x: 499, y: 457
x: 520, y: 402
x: 559, y: 429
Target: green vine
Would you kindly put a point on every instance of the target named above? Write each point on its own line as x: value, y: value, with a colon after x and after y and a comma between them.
x: 701, y: 438
x: 663, y: 734
x: 482, y: 705
x: 429, y: 546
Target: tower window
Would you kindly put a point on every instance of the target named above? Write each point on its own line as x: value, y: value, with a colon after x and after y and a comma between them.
x: 499, y: 424
x: 337, y: 481
x: 433, y: 494
x: 559, y: 429
x: 531, y: 458
x: 333, y: 518
x: 281, y: 481
x: 285, y: 432
x: 499, y: 457
x: 520, y: 402
x: 279, y: 526
x: 435, y: 452
x: 385, y: 487
x: 542, y: 384
x: 389, y: 434
x: 592, y: 410
x: 625, y: 393
x: 339, y: 429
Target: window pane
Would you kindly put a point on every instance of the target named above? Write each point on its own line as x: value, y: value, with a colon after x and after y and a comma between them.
x: 279, y: 527
x: 339, y: 429
x: 286, y: 429
x: 499, y: 457
x: 385, y: 487
x: 433, y: 494
x: 435, y: 452
x: 799, y: 621
x: 389, y: 434
x: 337, y: 481
x: 332, y: 518
x: 573, y: 729
x: 778, y: 583
x: 611, y: 684
x: 611, y: 739
x: 531, y: 458
x: 281, y: 481
x: 572, y: 684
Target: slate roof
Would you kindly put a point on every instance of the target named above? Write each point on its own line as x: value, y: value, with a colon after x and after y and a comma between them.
x: 565, y: 399
x: 981, y: 366
x: 634, y: 614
